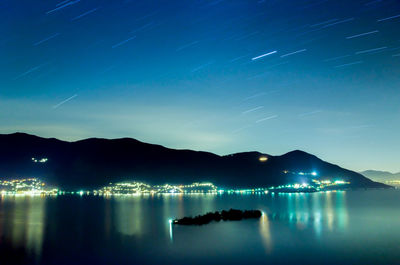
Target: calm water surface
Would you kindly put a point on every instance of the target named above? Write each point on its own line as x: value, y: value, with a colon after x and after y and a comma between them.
x: 320, y: 228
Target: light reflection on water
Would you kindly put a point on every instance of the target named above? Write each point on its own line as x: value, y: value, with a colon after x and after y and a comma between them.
x: 35, y: 225
x: 129, y: 215
x: 265, y: 232
x: 25, y: 219
x: 132, y: 225
x: 324, y: 210
x: 22, y: 221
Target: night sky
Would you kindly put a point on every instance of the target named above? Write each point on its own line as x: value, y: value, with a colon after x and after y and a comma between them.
x: 221, y: 76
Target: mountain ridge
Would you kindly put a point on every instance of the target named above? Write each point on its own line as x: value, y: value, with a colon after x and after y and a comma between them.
x: 94, y: 162
x: 379, y: 175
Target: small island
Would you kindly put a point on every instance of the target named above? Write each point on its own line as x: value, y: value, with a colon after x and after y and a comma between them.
x: 231, y: 215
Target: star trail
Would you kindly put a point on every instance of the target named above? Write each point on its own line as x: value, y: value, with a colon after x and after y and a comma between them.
x: 221, y: 76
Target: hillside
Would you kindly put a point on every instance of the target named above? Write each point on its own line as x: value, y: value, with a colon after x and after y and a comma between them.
x: 94, y: 162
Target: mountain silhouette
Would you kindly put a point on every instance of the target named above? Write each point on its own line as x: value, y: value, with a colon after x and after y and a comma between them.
x: 381, y: 175
x: 94, y: 162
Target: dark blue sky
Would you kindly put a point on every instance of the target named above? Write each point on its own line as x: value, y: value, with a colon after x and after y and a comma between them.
x: 222, y: 76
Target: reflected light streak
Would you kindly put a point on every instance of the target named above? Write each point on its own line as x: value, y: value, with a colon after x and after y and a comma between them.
x: 35, y: 225
x: 341, y: 209
x: 316, y: 209
x: 297, y: 209
x: 329, y: 211
x: 129, y: 212
x: 266, y: 233
x: 18, y: 225
x: 170, y: 230
x: 291, y: 208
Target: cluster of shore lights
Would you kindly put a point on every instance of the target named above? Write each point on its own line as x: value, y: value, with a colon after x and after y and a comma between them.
x: 328, y: 183
x: 138, y: 188
x: 26, y: 187
x: 316, y: 185
x: 33, y: 187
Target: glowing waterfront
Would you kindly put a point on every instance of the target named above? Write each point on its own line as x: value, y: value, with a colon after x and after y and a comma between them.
x: 137, y: 188
x: 34, y: 187
x: 26, y: 186
x: 307, y: 182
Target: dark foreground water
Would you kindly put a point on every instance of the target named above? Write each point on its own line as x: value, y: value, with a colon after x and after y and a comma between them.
x: 353, y: 227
